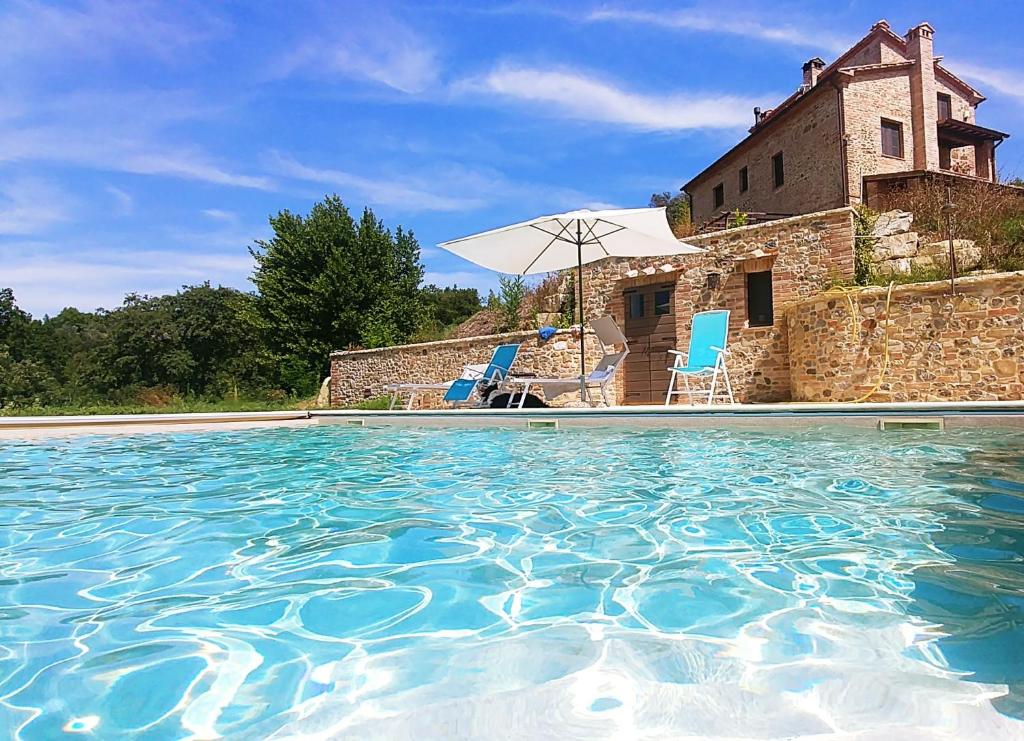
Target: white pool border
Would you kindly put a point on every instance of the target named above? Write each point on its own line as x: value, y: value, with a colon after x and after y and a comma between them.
x: 974, y: 413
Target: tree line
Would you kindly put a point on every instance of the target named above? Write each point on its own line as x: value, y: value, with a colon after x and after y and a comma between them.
x: 324, y: 281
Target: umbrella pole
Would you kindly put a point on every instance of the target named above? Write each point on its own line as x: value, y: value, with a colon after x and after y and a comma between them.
x: 579, y: 283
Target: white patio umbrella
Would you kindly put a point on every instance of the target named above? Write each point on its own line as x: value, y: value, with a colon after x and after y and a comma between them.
x: 561, y: 241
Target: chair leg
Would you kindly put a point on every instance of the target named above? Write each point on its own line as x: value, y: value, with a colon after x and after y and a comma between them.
x: 728, y: 383
x: 394, y: 400
x: 412, y: 396
x: 604, y: 395
x: 714, y: 382
x: 689, y: 390
x: 522, y: 399
x: 671, y: 385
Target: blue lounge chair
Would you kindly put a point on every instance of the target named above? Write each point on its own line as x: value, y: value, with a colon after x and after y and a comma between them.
x: 465, y: 389
x: 709, y: 333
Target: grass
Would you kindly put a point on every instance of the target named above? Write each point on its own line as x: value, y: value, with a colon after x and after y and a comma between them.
x: 377, y: 402
x: 180, y: 406
x: 175, y: 407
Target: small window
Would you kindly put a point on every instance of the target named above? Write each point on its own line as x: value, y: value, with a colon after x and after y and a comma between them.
x: 778, y: 170
x: 945, y: 107
x: 744, y: 182
x: 636, y: 305
x: 892, y: 138
x: 719, y: 195
x: 760, y: 312
x: 662, y: 303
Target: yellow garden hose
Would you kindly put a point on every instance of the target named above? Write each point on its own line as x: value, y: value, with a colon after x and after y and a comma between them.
x: 855, y: 335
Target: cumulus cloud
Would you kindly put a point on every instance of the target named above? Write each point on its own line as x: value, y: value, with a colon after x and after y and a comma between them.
x: 577, y: 95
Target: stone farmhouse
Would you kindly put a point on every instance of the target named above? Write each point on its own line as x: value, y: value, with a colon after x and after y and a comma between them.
x: 884, y: 113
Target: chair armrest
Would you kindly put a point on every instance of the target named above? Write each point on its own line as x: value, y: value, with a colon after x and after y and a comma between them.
x: 678, y: 352
x: 721, y: 350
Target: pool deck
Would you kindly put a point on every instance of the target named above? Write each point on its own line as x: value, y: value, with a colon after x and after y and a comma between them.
x: 973, y: 413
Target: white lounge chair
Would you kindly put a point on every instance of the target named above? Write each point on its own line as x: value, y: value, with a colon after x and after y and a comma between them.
x: 709, y: 333
x: 462, y: 389
x: 609, y: 335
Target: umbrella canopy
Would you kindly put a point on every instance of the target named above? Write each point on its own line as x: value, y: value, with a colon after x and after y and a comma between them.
x: 561, y: 241
x: 572, y: 239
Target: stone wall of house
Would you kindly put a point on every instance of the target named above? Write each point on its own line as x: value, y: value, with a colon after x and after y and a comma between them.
x: 359, y: 375
x: 940, y: 347
x: 808, y: 138
x: 867, y: 99
x: 804, y: 253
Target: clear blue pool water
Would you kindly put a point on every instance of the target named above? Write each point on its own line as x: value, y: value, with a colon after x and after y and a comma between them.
x: 426, y: 583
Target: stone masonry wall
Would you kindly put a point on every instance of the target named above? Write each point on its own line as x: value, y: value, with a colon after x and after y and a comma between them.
x: 808, y: 138
x: 868, y: 99
x: 941, y: 347
x: 358, y: 375
x: 803, y: 253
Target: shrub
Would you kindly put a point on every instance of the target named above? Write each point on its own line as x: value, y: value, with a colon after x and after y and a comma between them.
x: 992, y: 216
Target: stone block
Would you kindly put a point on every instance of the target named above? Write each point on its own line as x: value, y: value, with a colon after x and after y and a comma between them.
x: 892, y: 222
x: 968, y: 255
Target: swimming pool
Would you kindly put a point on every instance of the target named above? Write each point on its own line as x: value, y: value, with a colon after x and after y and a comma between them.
x: 593, y: 582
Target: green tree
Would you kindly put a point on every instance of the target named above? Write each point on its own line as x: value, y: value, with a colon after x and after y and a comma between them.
x: 677, y: 211
x: 325, y: 283
x: 449, y: 306
x: 509, y: 302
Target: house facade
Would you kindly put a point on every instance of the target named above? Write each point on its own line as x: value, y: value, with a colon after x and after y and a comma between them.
x: 885, y: 111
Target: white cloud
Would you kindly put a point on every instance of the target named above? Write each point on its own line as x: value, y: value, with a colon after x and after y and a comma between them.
x: 1005, y: 81
x: 123, y: 131
x: 36, y: 33
x: 45, y: 279
x: 439, y: 187
x: 220, y: 215
x: 576, y: 95
x: 364, y: 44
x: 731, y: 22
x: 30, y: 206
x: 124, y: 203
x: 408, y: 194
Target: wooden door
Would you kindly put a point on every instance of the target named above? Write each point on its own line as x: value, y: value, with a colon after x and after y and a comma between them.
x: 651, y: 333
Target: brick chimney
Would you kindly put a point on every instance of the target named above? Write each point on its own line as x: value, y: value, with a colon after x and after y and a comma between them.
x: 923, y: 104
x: 812, y: 68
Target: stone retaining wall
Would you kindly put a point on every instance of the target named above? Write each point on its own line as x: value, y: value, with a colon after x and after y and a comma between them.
x: 358, y: 375
x: 940, y: 347
x: 803, y: 252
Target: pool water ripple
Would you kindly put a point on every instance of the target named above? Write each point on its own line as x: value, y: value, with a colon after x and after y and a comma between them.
x: 486, y: 583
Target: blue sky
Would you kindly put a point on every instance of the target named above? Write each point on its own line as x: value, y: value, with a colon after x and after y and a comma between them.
x: 144, y: 144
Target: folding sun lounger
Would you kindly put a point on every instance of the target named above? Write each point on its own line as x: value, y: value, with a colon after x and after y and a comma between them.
x: 609, y: 335
x: 464, y: 390
x: 709, y: 332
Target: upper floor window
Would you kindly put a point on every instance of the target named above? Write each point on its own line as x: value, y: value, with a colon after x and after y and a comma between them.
x: 945, y: 106
x: 778, y: 170
x: 744, y: 181
x: 719, y: 195
x: 892, y: 138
